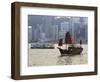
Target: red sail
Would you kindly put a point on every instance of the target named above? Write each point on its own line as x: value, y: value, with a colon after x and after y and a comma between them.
x: 73, y: 40
x: 68, y: 39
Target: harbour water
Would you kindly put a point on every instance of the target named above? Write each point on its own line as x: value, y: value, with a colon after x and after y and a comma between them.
x: 51, y: 57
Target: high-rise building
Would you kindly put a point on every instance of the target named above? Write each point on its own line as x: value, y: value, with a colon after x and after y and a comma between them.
x: 55, y: 33
x: 48, y: 27
x: 64, y: 28
x: 29, y: 34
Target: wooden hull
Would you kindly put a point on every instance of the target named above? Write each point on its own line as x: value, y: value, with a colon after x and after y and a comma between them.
x: 71, y: 51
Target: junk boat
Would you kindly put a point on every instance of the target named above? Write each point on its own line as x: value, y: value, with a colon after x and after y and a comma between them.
x: 71, y: 50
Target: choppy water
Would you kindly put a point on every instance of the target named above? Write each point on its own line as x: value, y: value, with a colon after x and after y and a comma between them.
x: 46, y: 57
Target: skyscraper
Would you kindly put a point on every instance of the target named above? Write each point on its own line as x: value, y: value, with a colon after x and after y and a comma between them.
x: 64, y: 28
x: 29, y: 34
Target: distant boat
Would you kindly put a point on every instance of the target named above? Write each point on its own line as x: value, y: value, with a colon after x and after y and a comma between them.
x: 41, y: 45
x: 71, y: 50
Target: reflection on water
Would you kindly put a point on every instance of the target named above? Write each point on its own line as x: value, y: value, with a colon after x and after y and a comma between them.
x: 51, y: 57
x: 65, y: 60
x: 72, y: 60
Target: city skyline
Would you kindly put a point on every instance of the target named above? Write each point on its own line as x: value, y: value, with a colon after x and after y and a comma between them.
x: 52, y: 28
